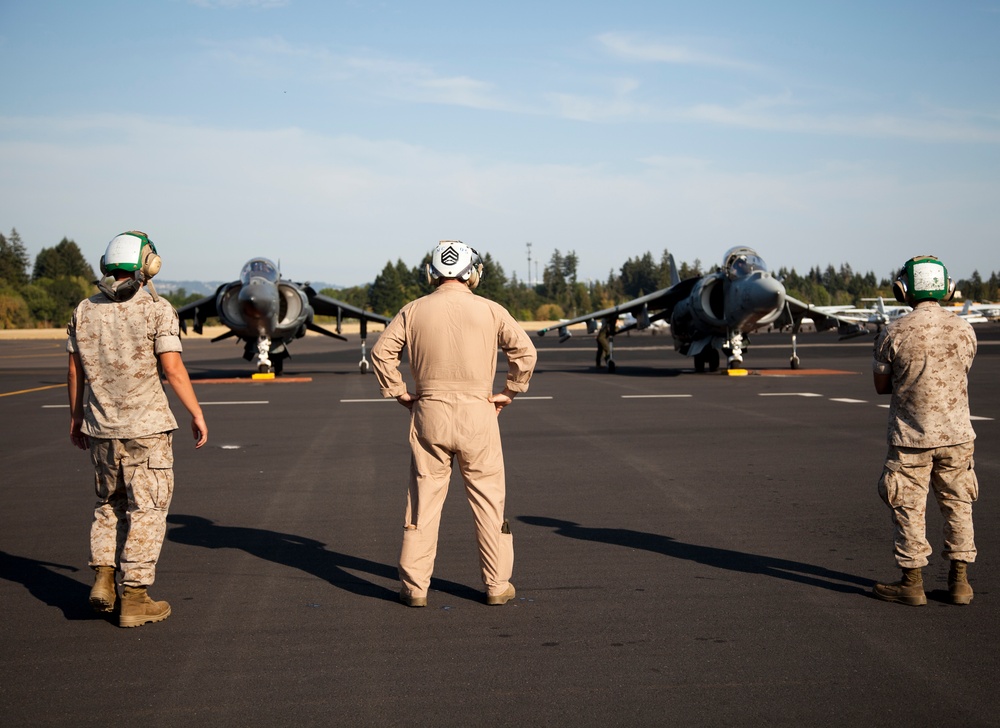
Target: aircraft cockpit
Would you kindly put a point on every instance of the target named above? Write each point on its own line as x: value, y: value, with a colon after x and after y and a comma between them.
x: 259, y: 268
x: 740, y: 262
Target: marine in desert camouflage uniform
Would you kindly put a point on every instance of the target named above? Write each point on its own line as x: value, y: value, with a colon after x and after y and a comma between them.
x: 923, y: 359
x: 119, y: 339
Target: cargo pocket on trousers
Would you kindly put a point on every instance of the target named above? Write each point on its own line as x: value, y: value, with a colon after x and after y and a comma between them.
x: 161, y: 474
x: 892, y: 486
x: 972, y: 482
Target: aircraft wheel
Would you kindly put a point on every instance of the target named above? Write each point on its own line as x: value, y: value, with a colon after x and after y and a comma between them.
x: 712, y: 359
x: 279, y: 365
x: 736, y: 364
x: 264, y: 369
x: 699, y: 363
x: 363, y: 366
x: 611, y: 367
x: 794, y: 361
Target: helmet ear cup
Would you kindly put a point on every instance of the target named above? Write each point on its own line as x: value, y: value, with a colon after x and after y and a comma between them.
x: 151, y: 264
x: 474, y: 276
x: 104, y: 268
x: 951, y: 290
x: 899, y: 289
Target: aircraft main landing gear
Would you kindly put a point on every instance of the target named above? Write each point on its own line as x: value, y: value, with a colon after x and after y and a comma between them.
x: 706, y: 358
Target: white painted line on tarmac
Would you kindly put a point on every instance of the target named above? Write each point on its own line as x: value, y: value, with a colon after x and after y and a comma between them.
x: 520, y: 398
x: 248, y: 401
x: 789, y: 394
x: 848, y: 400
x: 656, y: 396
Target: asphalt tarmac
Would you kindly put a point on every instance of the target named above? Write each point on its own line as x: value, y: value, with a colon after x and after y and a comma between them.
x: 693, y: 550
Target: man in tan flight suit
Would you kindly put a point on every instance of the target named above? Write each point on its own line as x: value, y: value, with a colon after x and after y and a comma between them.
x: 118, y: 341
x: 923, y: 360
x: 452, y: 336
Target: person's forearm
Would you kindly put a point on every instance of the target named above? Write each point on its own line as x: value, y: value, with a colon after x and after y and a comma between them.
x: 180, y: 382
x: 74, y: 388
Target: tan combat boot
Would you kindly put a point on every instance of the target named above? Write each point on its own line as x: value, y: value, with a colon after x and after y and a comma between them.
x: 138, y: 608
x: 908, y: 590
x: 103, y: 595
x: 958, y: 583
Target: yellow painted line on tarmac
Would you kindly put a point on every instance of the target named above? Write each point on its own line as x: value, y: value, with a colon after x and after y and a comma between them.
x: 35, y: 389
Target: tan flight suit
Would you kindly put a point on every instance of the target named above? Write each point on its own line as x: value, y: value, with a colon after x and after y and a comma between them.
x: 451, y: 337
x: 129, y: 422
x: 929, y: 353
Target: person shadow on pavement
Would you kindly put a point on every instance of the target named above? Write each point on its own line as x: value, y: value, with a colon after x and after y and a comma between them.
x: 296, y: 552
x: 810, y: 574
x: 45, y: 581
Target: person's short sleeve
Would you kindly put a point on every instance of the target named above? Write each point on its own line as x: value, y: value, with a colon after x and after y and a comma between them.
x: 167, y: 334
x: 882, y: 353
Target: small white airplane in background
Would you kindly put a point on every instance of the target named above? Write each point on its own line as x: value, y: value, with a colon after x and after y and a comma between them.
x: 879, y: 314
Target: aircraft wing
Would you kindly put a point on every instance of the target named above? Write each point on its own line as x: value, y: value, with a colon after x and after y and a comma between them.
x: 326, y: 306
x: 662, y: 302
x: 199, y: 311
x: 822, y: 316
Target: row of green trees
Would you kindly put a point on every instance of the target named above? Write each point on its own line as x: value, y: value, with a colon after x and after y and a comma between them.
x: 61, y: 277
x: 561, y: 294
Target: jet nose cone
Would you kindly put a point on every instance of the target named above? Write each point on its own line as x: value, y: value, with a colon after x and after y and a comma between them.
x: 753, y: 298
x: 258, y: 301
x: 765, y: 293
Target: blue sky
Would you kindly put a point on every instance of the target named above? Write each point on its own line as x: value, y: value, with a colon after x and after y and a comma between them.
x: 336, y: 136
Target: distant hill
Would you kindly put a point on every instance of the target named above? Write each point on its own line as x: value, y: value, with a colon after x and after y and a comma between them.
x: 206, y: 288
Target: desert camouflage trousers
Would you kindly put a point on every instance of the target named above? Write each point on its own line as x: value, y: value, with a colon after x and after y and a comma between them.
x: 446, y: 427
x: 134, y: 482
x: 908, y: 475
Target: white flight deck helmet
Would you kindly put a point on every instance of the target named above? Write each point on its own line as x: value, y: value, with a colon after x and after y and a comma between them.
x: 134, y: 253
x: 455, y: 259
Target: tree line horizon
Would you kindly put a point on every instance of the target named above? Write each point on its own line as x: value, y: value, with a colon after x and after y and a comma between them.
x: 60, y: 278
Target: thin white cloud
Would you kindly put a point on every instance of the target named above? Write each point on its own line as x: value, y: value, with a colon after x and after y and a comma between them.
x: 633, y: 48
x: 614, y: 100
x: 237, y: 4
x: 400, y: 79
x: 923, y: 128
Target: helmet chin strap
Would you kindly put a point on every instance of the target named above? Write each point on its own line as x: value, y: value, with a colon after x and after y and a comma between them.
x: 119, y: 291
x: 152, y: 289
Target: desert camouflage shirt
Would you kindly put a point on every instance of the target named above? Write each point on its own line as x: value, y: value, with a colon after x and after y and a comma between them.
x: 929, y: 353
x: 118, y: 344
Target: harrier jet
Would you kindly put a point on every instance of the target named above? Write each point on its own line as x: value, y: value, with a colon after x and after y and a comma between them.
x: 716, y: 312
x: 268, y: 312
